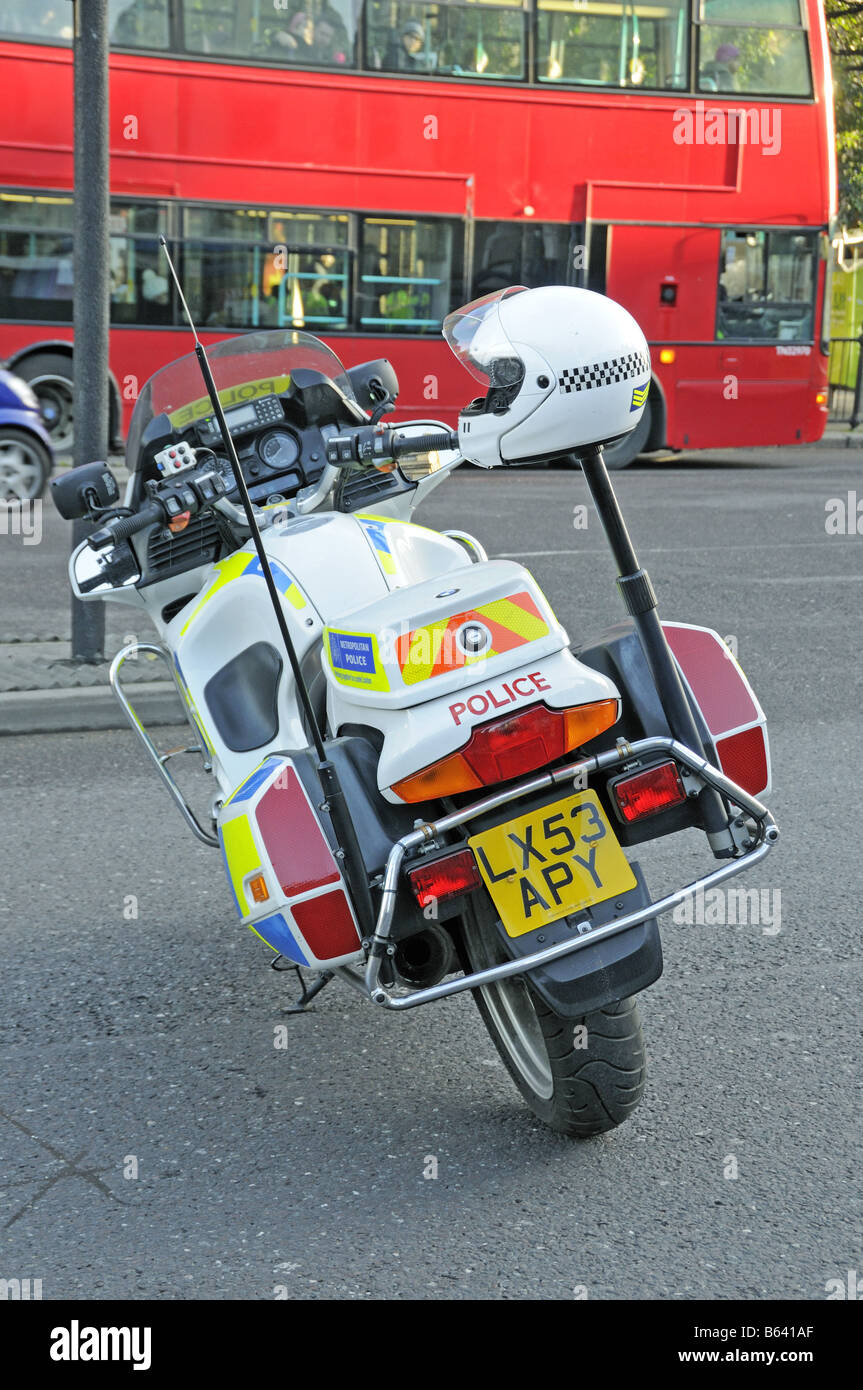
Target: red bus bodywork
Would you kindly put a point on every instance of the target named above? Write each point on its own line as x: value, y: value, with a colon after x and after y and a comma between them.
x: 224, y: 132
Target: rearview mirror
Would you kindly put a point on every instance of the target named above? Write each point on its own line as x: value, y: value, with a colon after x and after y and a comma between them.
x: 89, y: 485
x: 374, y: 383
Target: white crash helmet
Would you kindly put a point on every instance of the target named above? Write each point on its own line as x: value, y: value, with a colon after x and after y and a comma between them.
x: 561, y: 367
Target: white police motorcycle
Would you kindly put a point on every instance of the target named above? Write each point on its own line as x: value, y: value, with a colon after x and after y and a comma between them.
x: 420, y: 788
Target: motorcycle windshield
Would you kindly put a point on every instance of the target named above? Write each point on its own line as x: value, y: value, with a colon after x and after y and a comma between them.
x: 480, y: 342
x: 244, y: 368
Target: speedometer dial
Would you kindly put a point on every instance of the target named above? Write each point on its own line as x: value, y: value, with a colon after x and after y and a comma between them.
x: 227, y: 473
x: 278, y: 450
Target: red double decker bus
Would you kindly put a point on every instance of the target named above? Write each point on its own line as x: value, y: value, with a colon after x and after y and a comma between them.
x: 360, y: 167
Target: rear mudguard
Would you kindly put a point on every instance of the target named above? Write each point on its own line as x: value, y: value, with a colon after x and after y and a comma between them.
x: 595, y: 976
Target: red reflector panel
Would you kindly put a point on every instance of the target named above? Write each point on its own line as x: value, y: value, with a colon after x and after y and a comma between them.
x: 743, y: 758
x: 327, y: 925
x: 445, y: 878
x: 648, y: 792
x: 714, y: 677
x: 297, y: 847
x: 517, y: 744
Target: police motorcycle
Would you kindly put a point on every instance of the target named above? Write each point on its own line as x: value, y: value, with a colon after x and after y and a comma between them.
x: 420, y: 786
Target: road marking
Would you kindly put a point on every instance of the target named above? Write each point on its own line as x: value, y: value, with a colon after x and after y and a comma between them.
x: 674, y: 549
x: 809, y: 579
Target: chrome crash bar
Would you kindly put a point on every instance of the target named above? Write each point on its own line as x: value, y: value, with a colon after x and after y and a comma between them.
x: 692, y: 767
x: 160, y: 760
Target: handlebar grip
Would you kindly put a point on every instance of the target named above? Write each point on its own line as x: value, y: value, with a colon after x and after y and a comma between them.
x: 376, y: 444
x: 125, y: 526
x: 424, y: 443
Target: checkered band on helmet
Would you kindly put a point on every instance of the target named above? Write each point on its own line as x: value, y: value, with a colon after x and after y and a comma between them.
x: 604, y: 373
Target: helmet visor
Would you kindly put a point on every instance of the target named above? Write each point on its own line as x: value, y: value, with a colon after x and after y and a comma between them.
x: 477, y: 337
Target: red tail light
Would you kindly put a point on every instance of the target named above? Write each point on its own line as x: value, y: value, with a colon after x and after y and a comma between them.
x: 646, y: 793
x: 445, y: 878
x: 509, y: 747
x: 516, y: 744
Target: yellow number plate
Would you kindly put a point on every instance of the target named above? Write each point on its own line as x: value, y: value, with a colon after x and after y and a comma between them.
x: 555, y: 861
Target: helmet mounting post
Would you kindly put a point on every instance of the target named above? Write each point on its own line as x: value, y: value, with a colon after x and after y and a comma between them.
x: 639, y: 599
x: 565, y: 372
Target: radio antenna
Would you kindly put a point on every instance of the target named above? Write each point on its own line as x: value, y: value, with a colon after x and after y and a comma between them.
x: 348, y: 847
x: 248, y: 508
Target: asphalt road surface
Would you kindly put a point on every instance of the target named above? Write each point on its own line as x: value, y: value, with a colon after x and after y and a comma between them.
x: 155, y: 1143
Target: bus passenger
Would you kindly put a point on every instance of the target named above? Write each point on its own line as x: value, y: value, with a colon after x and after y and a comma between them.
x: 297, y: 40
x: 409, y: 52
x: 720, y: 74
x: 332, y: 44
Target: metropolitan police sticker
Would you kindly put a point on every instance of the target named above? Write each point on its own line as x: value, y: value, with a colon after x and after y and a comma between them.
x: 354, y: 660
x: 352, y: 653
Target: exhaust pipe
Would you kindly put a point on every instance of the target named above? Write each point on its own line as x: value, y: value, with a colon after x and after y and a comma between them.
x: 425, y: 958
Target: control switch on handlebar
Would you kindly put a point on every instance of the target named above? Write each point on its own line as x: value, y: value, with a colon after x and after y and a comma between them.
x: 174, y: 459
x: 167, y: 503
x: 379, y: 444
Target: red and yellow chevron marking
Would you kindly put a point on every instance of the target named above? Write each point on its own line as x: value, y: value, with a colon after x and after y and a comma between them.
x: 432, y: 650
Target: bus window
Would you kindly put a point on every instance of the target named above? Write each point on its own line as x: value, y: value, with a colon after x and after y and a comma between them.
x: 140, y: 288
x: 310, y: 33
x: 37, y: 265
x: 37, y: 19
x: 759, y: 50
x: 515, y: 253
x: 410, y: 274
x: 467, y: 40
x: 250, y: 268
x: 36, y: 275
x: 131, y: 23
x: 767, y: 284
x: 36, y: 270
x: 138, y: 23
x: 614, y: 45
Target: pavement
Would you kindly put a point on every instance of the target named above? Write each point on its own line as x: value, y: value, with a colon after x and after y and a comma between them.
x: 42, y: 688
x: 168, y: 1131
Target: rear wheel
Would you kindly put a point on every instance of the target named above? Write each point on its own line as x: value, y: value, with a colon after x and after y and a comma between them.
x: 579, y: 1076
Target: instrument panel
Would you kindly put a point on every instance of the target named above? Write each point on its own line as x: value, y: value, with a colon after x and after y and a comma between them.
x: 276, y: 458
x: 247, y: 418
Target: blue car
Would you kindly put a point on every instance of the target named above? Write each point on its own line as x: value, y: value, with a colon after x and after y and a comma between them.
x: 26, y: 456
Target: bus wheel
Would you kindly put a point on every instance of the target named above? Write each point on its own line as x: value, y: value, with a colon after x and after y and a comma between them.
x: 623, y: 451
x: 50, y: 375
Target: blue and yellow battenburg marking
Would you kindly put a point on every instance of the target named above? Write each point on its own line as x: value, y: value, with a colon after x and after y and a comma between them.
x: 283, y: 580
x: 355, y: 659
x: 242, y: 862
x: 193, y: 708
x: 375, y: 529
x: 639, y: 396
x: 253, y: 781
x: 245, y: 563
x: 279, y: 937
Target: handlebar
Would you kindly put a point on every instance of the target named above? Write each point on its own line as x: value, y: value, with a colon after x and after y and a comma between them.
x: 188, y: 495
x: 125, y: 526
x: 373, y: 444
x: 425, y: 443
x: 381, y: 444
